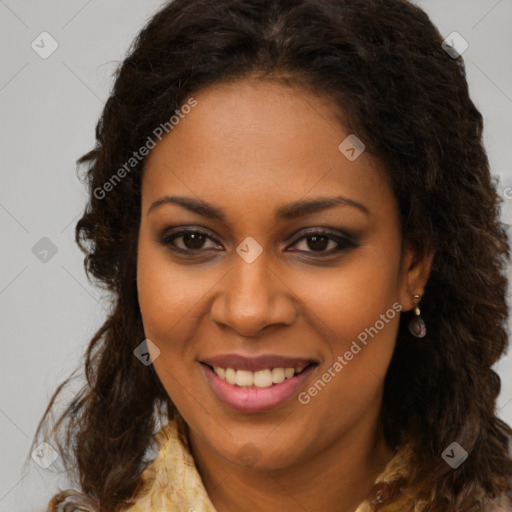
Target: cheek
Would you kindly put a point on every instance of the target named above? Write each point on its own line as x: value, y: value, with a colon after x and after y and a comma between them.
x: 352, y: 297
x: 168, y: 303
x: 173, y: 306
x: 166, y: 294
x: 161, y: 306
x: 355, y: 309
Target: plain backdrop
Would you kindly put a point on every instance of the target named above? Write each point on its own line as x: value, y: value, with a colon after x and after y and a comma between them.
x: 49, y: 109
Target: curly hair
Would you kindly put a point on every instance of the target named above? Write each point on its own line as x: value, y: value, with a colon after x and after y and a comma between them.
x: 382, y: 63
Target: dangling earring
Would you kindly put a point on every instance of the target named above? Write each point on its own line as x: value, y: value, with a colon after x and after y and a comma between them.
x: 417, y: 325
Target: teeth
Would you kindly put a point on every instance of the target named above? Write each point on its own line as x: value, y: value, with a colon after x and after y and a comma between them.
x: 289, y: 372
x: 230, y: 376
x: 277, y: 375
x: 243, y: 378
x: 260, y: 379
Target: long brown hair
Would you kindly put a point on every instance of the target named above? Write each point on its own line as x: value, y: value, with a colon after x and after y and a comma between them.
x: 382, y: 63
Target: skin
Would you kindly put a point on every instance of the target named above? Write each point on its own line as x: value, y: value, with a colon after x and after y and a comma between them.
x: 248, y: 148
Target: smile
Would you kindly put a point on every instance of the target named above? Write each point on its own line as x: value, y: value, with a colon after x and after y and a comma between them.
x: 260, y: 379
x: 256, y: 391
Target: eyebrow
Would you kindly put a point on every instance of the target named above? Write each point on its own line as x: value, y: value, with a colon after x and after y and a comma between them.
x: 286, y: 212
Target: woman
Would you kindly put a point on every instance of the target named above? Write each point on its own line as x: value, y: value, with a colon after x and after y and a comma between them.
x: 292, y: 208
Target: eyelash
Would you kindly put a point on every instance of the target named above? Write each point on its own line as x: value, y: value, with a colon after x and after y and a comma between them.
x: 344, y: 241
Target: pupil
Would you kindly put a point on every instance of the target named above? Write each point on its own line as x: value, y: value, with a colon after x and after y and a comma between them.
x: 193, y: 240
x: 319, y: 242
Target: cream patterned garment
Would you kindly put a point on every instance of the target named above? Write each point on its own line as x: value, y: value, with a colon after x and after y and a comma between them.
x: 172, y: 480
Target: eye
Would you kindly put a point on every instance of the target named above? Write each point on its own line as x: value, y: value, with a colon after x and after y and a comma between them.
x: 319, y: 240
x: 192, y: 240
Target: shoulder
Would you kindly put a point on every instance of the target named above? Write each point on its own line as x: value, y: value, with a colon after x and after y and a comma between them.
x: 72, y: 501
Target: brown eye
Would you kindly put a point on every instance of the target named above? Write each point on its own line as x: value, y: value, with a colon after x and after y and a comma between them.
x: 193, y: 241
x: 189, y: 241
x: 318, y: 242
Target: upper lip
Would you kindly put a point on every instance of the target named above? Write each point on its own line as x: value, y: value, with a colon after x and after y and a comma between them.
x: 240, y: 362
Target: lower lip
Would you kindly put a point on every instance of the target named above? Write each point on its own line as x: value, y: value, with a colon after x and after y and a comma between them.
x: 256, y: 399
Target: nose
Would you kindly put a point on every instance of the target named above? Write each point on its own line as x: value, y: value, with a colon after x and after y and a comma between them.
x: 253, y: 297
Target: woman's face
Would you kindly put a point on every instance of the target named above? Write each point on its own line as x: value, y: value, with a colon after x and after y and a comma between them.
x: 262, y: 283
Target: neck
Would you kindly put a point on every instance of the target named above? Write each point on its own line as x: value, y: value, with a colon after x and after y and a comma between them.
x: 336, y: 478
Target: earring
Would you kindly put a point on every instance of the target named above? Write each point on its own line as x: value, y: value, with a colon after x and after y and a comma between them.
x: 417, y: 325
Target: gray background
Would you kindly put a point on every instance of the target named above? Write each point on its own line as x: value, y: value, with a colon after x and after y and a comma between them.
x: 49, y: 111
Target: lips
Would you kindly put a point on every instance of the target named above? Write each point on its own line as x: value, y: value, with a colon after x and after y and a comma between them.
x: 263, y: 395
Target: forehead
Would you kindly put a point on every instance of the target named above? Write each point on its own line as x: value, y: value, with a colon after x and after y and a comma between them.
x: 261, y: 143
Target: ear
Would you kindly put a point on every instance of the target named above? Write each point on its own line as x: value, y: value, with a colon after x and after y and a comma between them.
x: 414, y: 274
